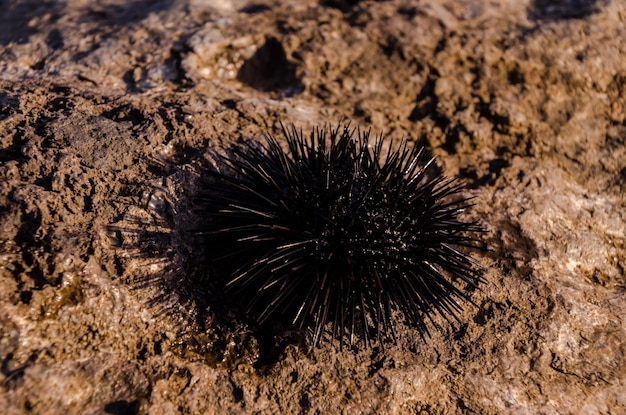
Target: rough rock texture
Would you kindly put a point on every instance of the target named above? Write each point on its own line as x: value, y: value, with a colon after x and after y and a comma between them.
x: 104, y: 105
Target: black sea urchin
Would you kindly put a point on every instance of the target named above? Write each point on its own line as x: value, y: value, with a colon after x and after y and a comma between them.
x: 335, y: 229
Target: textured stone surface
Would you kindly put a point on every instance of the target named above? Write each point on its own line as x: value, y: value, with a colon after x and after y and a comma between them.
x: 103, y: 108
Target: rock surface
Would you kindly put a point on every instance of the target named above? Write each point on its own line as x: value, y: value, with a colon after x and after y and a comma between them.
x: 104, y: 104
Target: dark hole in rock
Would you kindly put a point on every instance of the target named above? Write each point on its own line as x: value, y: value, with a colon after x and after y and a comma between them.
x: 343, y: 5
x: 254, y: 8
x: 122, y: 407
x: 268, y: 69
x: 564, y: 9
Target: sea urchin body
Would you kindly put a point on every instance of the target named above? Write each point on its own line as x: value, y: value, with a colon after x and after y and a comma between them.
x: 337, y: 230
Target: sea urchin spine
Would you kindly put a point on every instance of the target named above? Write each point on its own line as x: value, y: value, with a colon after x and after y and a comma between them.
x: 336, y: 229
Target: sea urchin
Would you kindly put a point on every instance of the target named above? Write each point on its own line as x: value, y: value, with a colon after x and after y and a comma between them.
x: 336, y: 229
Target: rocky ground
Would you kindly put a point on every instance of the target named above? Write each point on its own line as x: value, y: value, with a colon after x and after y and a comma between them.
x: 105, y: 105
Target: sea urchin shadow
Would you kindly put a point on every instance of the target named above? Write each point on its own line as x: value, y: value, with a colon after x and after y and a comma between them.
x: 335, y: 233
